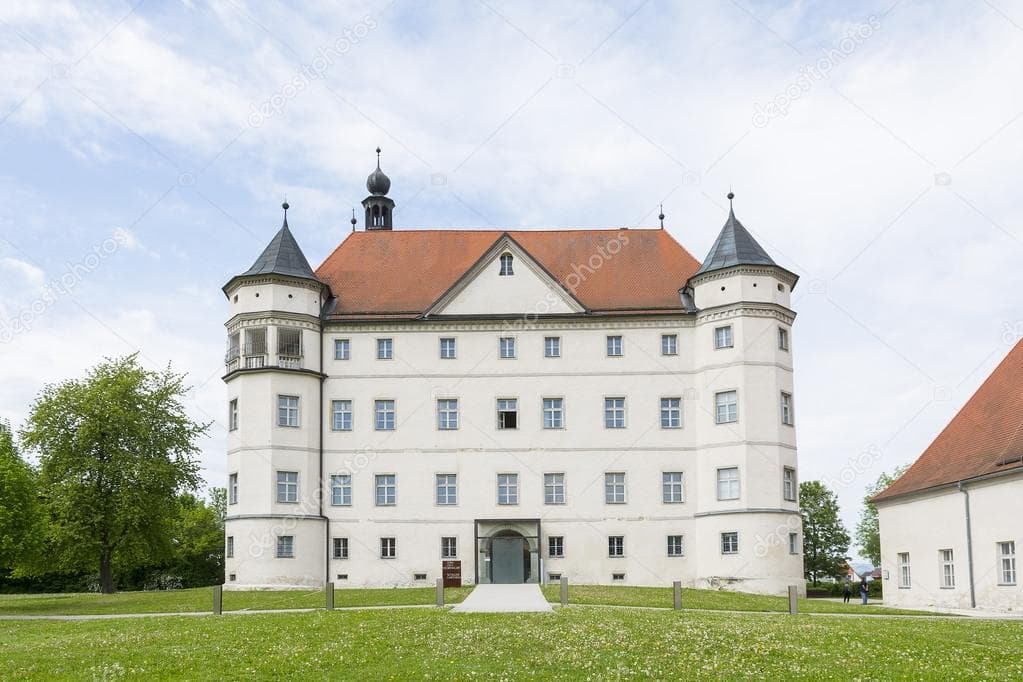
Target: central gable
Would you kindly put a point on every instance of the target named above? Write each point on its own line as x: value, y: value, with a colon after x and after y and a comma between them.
x: 506, y: 280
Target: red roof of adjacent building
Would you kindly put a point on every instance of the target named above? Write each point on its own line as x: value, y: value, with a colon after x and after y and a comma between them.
x: 986, y: 437
x: 403, y: 273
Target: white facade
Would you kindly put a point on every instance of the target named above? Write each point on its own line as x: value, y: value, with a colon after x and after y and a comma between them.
x: 760, y: 505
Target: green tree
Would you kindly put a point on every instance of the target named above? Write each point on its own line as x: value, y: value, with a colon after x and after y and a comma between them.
x: 868, y: 535
x: 115, y: 449
x: 20, y: 517
x: 198, y: 539
x: 825, y: 539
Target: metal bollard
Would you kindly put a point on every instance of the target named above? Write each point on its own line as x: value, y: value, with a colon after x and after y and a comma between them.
x: 440, y: 591
x: 218, y: 600
x: 677, y: 585
x: 564, y: 591
x: 793, y: 600
x: 329, y: 594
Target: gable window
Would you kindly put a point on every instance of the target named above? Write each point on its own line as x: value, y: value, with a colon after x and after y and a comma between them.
x: 672, y: 487
x: 671, y: 413
x: 616, y: 546
x: 554, y: 488
x: 229, y: 550
x: 553, y: 413
x: 669, y: 344
x: 723, y: 337
x: 728, y: 483
x: 793, y: 543
x: 285, y: 546
x: 905, y: 578
x: 387, y: 490
x: 341, y: 415
x: 289, y: 347
x: 447, y: 414
x: 556, y: 546
x: 786, y: 409
x: 506, y: 265
x: 340, y: 548
x: 388, y: 548
x: 384, y: 415
x: 385, y: 349
x: 552, y: 346
x: 1007, y: 563
x: 341, y: 490
x: 507, y: 488
x: 287, y: 486
x: 788, y: 484
x: 287, y: 410
x: 614, y: 413
x: 447, y: 489
x: 232, y: 489
x: 255, y: 347
x: 614, y: 487
x: 948, y: 569
x: 232, y: 415
x: 447, y: 349
x: 507, y: 413
x: 783, y: 338
x: 342, y: 349
x: 726, y: 407
x: 507, y: 344
x: 449, y: 547
x: 674, y: 545
x: 730, y: 543
x: 614, y: 346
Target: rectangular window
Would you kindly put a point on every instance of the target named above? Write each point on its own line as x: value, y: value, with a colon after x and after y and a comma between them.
x: 553, y: 413
x: 672, y: 487
x: 255, y: 347
x: 723, y: 337
x: 507, y: 413
x: 287, y: 486
x: 449, y: 548
x: 232, y: 489
x: 552, y: 346
x: 789, y: 484
x: 905, y: 579
x: 388, y: 548
x: 447, y: 414
x: 675, y: 545
x: 616, y: 546
x: 1007, y: 563
x: 614, y: 346
x: 285, y: 546
x: 554, y: 488
x: 229, y: 550
x: 342, y: 349
x: 387, y: 490
x: 555, y: 547
x: 948, y: 569
x: 289, y: 345
x: 618, y: 577
x: 447, y: 489
x: 341, y: 415
x: 507, y: 344
x: 614, y: 413
x: 671, y: 413
x: 614, y: 487
x: 669, y: 344
x: 783, y: 338
x: 728, y: 483
x: 786, y: 409
x: 730, y: 543
x: 726, y: 407
x: 384, y: 415
x: 340, y: 548
x: 385, y: 349
x: 234, y: 347
x: 447, y: 349
x: 232, y: 415
x: 507, y: 488
x: 287, y: 410
x: 793, y: 543
x: 341, y: 490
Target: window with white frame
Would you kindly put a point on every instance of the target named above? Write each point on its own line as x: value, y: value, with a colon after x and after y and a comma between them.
x: 555, y: 546
x: 287, y: 486
x: 723, y: 337
x: 553, y: 413
x: 255, y: 347
x: 788, y: 484
x: 447, y: 489
x: 730, y: 542
x: 507, y: 413
x: 1007, y: 563
x: 234, y: 347
x: 786, y: 409
x: 728, y: 483
x: 673, y: 487
x: 285, y: 546
x: 552, y: 346
x: 948, y: 568
x: 507, y: 265
x: 388, y: 548
x: 507, y: 346
x: 675, y: 545
x: 614, y: 487
x: 793, y: 543
x: 341, y: 490
x: 449, y: 547
x: 447, y: 414
x: 341, y: 415
x: 783, y: 338
x: 229, y: 550
x: 614, y: 346
x: 614, y: 413
x: 342, y: 349
x: 669, y: 344
x: 905, y: 578
x: 387, y: 490
x: 383, y: 411
x: 287, y: 410
x: 232, y: 489
x: 385, y: 349
x: 447, y: 348
x: 232, y: 415
x: 726, y: 407
x: 340, y: 548
x: 507, y: 488
x: 671, y: 413
x: 289, y: 347
x: 616, y: 546
x: 554, y: 488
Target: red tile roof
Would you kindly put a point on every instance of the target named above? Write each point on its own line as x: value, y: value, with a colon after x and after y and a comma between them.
x: 986, y: 436
x: 401, y: 273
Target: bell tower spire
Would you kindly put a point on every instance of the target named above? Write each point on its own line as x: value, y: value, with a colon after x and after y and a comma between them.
x: 379, y: 207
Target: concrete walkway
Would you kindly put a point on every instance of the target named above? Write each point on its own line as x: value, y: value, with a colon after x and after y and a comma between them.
x: 504, y: 599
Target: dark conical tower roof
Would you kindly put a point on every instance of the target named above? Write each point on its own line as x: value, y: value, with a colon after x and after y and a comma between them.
x: 282, y: 256
x: 734, y: 246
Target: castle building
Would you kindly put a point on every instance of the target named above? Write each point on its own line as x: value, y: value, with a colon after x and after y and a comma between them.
x: 511, y: 406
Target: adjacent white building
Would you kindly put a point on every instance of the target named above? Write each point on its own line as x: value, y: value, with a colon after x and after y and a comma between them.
x: 952, y: 524
x: 529, y: 404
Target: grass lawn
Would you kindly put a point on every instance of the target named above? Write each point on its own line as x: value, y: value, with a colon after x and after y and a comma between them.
x: 574, y: 643
x: 201, y: 599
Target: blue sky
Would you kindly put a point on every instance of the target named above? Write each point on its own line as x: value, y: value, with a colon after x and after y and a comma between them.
x: 874, y: 149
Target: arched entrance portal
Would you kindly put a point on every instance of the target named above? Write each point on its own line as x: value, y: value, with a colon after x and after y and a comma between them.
x: 509, y: 558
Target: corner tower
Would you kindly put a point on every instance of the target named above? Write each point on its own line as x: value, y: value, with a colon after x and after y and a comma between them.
x: 379, y: 207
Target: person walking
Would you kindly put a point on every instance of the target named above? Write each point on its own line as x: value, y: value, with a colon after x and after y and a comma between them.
x: 846, y: 591
x: 863, y: 589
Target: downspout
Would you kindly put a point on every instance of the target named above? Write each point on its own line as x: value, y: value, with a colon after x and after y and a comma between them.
x: 326, y: 552
x: 969, y: 543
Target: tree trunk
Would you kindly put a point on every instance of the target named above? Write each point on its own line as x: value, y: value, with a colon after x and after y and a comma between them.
x: 106, y: 572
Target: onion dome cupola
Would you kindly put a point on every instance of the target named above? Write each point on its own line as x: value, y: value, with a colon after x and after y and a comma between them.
x: 379, y: 207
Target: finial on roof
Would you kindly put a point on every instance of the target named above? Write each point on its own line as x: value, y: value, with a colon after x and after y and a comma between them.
x: 378, y: 183
x: 285, y: 206
x: 353, y: 220
x: 378, y: 157
x: 661, y: 216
